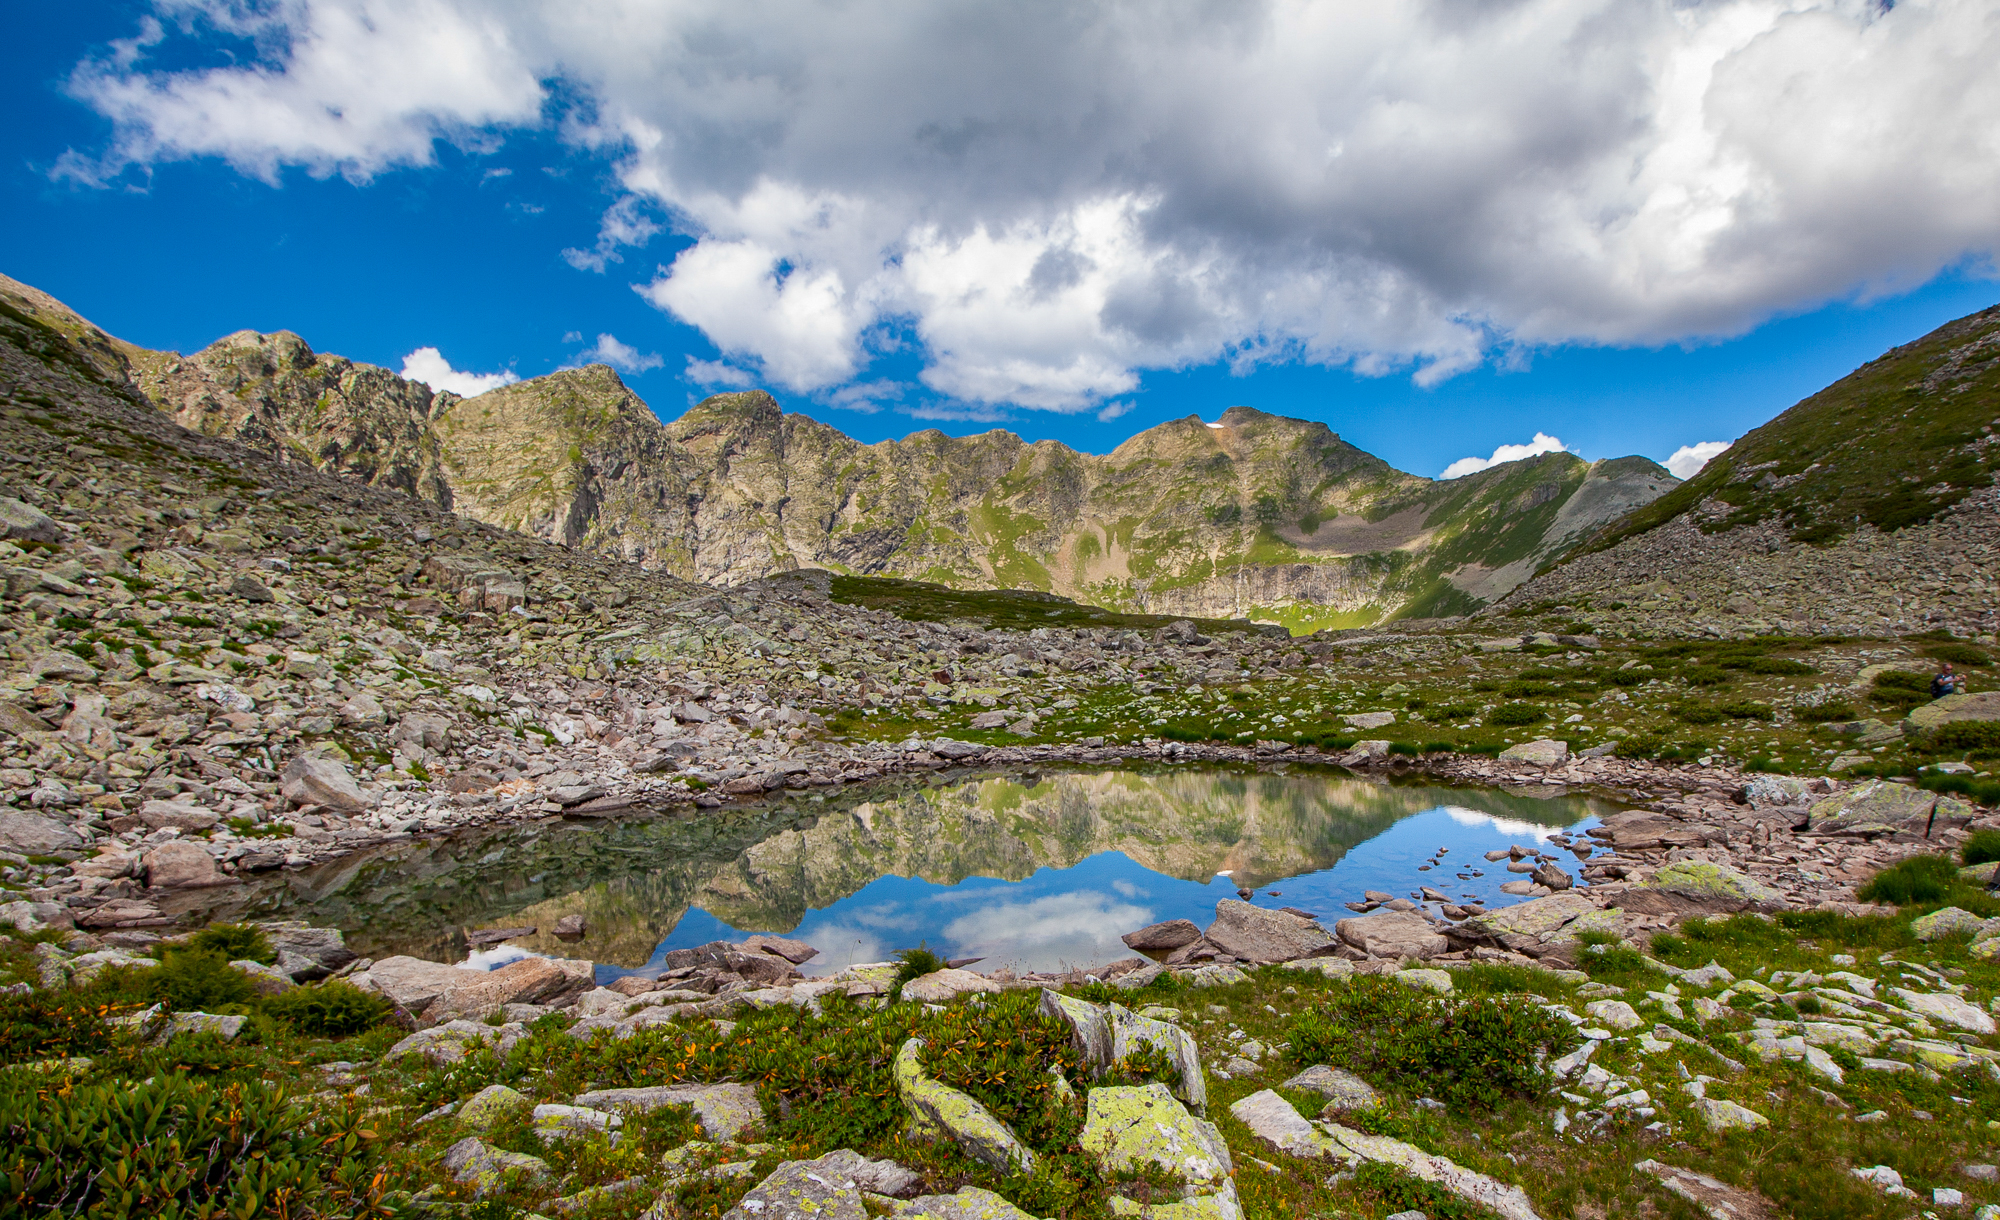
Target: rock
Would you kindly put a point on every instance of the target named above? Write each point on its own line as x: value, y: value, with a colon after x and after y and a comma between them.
x: 268, y: 980
x: 969, y: 1203
x: 824, y: 1189
x: 533, y: 980
x: 725, y: 1111
x: 943, y: 986
x: 307, y: 953
x: 1362, y: 753
x: 1393, y: 934
x: 1547, y: 874
x: 1543, y: 753
x: 1163, y: 937
x: 1765, y: 790
x: 797, y: 952
x: 1947, y: 1008
x: 32, y: 917
x: 1613, y: 1014
x: 316, y: 780
x: 1698, y: 887
x: 450, y: 1042
x: 1103, y: 1036
x: 1342, y: 1089
x: 410, y: 983
x: 124, y: 913
x: 1272, y: 1120
x: 23, y: 522
x: 1369, y: 720
x: 493, y: 1104
x: 1877, y: 807
x: 938, y: 1110
x: 1213, y: 976
x: 1948, y: 921
x: 568, y: 1122
x: 61, y: 667
x: 250, y: 589
x: 225, y: 1028
x: 31, y: 834
x: 570, y: 928
x: 179, y: 814
x: 485, y: 1168
x: 1331, y: 967
x: 1954, y: 708
x: 1728, y: 1116
x: 1715, y: 1198
x: 1254, y: 934
x: 1429, y: 980
x: 179, y: 865
x: 1128, y: 1130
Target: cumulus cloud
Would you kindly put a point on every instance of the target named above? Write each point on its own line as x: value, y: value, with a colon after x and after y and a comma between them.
x: 714, y: 372
x: 625, y: 223
x: 1050, y: 201
x: 428, y: 365
x: 1689, y: 459
x: 621, y: 356
x: 1543, y: 443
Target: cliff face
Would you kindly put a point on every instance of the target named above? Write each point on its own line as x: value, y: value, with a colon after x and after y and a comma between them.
x: 1255, y: 515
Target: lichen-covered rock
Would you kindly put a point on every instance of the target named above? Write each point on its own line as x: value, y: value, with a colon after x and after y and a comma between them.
x: 1274, y: 1122
x: 1127, y: 1128
x: 1613, y: 1014
x: 570, y: 1122
x: 1723, y: 1115
x: 1105, y: 1035
x: 725, y: 1111
x: 944, y: 986
x: 1948, y: 921
x: 1525, y: 927
x: 1221, y: 1204
x: 1542, y: 753
x: 822, y: 1189
x: 1698, y: 887
x: 493, y: 1104
x: 452, y: 1041
x: 969, y: 1203
x: 483, y: 1167
x: 1430, y: 980
x: 939, y: 1111
x: 1254, y: 934
x: 1945, y: 1007
x: 1878, y: 807
x: 1954, y: 708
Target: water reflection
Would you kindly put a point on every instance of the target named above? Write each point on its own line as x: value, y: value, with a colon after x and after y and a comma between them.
x: 1038, y: 872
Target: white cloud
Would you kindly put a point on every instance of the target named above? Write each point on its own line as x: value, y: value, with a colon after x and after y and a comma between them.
x: 1052, y: 206
x: 714, y: 372
x: 1543, y: 443
x: 1112, y: 411
x: 428, y: 365
x: 1689, y: 459
x: 625, y: 223
x: 621, y: 356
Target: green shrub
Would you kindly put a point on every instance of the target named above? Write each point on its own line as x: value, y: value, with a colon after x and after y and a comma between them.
x: 1824, y: 713
x: 1744, y: 709
x: 236, y: 942
x: 41, y: 1025
x: 1959, y: 654
x: 172, y: 1147
x: 1517, y: 714
x: 1456, y: 711
x: 1705, y: 675
x: 915, y: 963
x: 1628, y: 677
x: 1698, y: 713
x: 1527, y: 689
x: 1919, y: 879
x: 196, y: 980
x: 1963, y: 735
x: 1764, y: 665
x: 333, y: 1009
x: 1982, y: 848
x: 1463, y: 1051
x: 1902, y: 679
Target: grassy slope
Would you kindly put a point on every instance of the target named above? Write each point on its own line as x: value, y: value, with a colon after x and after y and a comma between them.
x: 1891, y: 444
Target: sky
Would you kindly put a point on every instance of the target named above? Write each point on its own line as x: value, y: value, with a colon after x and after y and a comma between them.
x: 1456, y: 231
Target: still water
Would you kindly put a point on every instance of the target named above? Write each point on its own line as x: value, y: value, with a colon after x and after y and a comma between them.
x: 1032, y: 871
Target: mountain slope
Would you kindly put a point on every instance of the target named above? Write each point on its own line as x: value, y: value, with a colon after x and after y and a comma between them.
x: 1253, y: 515
x: 1868, y: 508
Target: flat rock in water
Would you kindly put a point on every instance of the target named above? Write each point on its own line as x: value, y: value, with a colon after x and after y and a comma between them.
x: 1393, y: 934
x: 1163, y: 937
x: 1254, y: 934
x: 797, y: 952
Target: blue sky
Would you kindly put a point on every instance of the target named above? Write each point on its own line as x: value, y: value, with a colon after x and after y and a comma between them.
x: 431, y: 221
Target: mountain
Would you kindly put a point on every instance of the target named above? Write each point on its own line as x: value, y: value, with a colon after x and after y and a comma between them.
x: 1255, y: 514
x: 1868, y: 508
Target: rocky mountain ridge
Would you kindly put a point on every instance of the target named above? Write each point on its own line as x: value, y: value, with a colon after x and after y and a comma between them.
x: 1253, y: 515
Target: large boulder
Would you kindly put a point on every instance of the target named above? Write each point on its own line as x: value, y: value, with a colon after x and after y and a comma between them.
x: 830, y: 1188
x: 1163, y: 937
x: 939, y: 1111
x: 1526, y: 927
x: 1342, y: 1089
x: 532, y: 980
x: 1393, y: 934
x: 1877, y: 807
x: 1698, y: 887
x: 23, y: 522
x: 312, y: 779
x: 1544, y: 753
x: 1641, y: 831
x: 1105, y: 1035
x: 943, y: 986
x: 725, y: 1111
x: 475, y: 1163
x: 305, y: 952
x: 1254, y: 934
x: 31, y: 834
x: 1954, y: 708
x: 410, y: 983
x: 178, y: 865
x: 967, y: 1203
x: 1131, y: 1130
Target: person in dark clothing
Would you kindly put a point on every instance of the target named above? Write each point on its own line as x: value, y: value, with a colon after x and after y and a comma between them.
x: 1945, y: 683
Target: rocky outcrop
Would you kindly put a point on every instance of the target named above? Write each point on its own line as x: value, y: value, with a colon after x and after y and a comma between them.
x: 938, y: 1111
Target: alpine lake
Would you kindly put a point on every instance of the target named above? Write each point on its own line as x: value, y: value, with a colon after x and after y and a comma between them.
x: 1030, y: 870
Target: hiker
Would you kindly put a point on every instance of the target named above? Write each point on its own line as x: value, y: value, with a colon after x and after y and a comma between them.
x: 1946, y: 682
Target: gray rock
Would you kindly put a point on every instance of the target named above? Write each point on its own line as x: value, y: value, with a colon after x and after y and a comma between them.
x: 938, y: 1111
x: 1342, y: 1089
x: 314, y: 780
x: 725, y: 1111
x: 181, y: 815
x: 178, y: 865
x: 268, y: 980
x: 969, y: 1203
x: 485, y: 1168
x: 825, y: 1189
x: 31, y: 834
x: 1254, y: 934
x: 1543, y: 753
x: 306, y: 953
x: 1879, y: 807
x: 62, y: 667
x: 250, y: 589
x: 225, y: 1028
x: 23, y: 522
x: 1392, y: 934
x: 797, y: 952
x: 491, y: 1105
x: 1163, y: 937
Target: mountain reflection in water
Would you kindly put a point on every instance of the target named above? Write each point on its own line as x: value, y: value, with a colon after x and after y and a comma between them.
x: 1034, y: 871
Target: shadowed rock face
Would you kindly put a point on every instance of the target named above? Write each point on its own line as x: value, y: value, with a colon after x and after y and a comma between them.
x: 1255, y: 513
x: 634, y: 880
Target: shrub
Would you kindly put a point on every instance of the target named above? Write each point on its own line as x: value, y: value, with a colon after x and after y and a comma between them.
x: 1982, y: 848
x: 1516, y: 714
x: 1705, y: 675
x: 1765, y: 665
x: 1463, y: 1051
x: 915, y: 963
x: 236, y: 942
x: 195, y: 980
x: 1527, y: 689
x: 40, y: 1025
x: 1628, y: 677
x: 334, y: 1009
x: 1919, y: 879
x: 1456, y: 711
x: 1963, y: 735
x: 1959, y: 654
x: 1902, y: 679
x: 1824, y: 713
x: 1744, y: 709
x: 1698, y: 713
